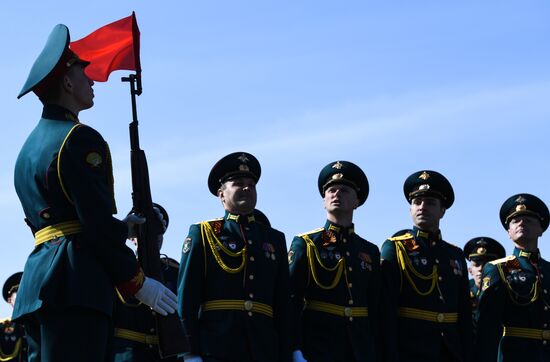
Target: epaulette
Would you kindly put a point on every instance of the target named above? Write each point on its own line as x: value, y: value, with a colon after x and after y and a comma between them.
x: 311, y: 232
x: 169, y: 261
x: 503, y: 260
x: 209, y: 221
x: 405, y: 236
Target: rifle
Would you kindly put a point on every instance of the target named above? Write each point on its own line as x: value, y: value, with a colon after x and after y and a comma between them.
x: 172, y: 339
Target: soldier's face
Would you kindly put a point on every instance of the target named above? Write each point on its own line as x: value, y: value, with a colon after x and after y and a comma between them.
x: 238, y: 196
x: 426, y: 212
x: 340, y: 198
x: 524, y: 230
x: 475, y: 269
x: 80, y: 86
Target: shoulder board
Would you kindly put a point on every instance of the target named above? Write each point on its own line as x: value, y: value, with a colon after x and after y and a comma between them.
x: 210, y: 221
x: 453, y: 245
x: 311, y: 232
x: 169, y: 261
x: 503, y: 260
x: 405, y: 236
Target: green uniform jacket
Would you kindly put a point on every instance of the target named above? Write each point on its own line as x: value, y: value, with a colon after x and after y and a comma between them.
x: 135, y: 326
x: 63, y: 173
x: 515, y: 295
x: 13, y: 344
x: 233, y: 290
x: 337, y: 274
x: 436, y: 326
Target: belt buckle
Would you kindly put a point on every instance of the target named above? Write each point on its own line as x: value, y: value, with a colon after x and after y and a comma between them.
x: 348, y: 312
x: 248, y: 305
x: 546, y: 334
x: 440, y: 317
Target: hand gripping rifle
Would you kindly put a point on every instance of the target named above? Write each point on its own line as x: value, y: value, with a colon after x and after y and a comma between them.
x: 172, y: 339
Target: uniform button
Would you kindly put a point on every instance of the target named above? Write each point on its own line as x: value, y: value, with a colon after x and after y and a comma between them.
x: 350, y: 285
x: 545, y: 291
x: 152, y: 330
x: 433, y: 243
x: 545, y: 325
x: 249, y: 242
x: 344, y: 240
x: 350, y: 268
x: 442, y: 334
x: 251, y: 277
x: 544, y: 342
x: 250, y: 314
x: 440, y: 278
x: 546, y: 308
x: 251, y: 258
x: 246, y: 228
x: 351, y: 320
x: 347, y: 253
x: 350, y: 301
x: 437, y: 261
x: 251, y: 295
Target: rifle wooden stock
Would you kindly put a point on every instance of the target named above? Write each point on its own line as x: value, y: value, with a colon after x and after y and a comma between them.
x: 172, y: 339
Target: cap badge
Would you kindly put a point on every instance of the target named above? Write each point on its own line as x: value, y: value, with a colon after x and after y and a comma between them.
x: 337, y: 165
x: 521, y: 207
x: 243, y: 158
x: 520, y: 199
x: 424, y: 175
x: 243, y: 168
x: 337, y: 176
x: 424, y: 187
x: 481, y: 251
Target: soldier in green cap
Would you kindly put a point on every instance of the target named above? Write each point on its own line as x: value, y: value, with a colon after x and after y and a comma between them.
x: 514, y: 290
x: 335, y: 276
x: 13, y: 342
x: 428, y: 314
x: 63, y: 178
x: 479, y: 251
x: 233, y: 279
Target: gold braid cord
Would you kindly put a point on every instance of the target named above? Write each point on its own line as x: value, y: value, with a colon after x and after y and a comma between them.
x: 208, y: 233
x: 15, y: 353
x: 311, y: 252
x: 406, y: 265
x: 514, y: 296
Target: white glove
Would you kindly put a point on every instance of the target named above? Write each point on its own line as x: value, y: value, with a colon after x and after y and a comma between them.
x: 157, y: 296
x: 297, y: 356
x: 131, y: 221
x: 191, y: 358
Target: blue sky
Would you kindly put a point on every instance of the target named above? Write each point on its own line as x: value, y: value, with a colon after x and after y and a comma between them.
x: 393, y: 86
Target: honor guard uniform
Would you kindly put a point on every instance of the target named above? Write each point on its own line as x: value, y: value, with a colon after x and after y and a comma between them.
x: 428, y: 313
x: 63, y: 178
x: 135, y: 335
x: 514, y: 291
x: 13, y: 342
x: 233, y: 279
x: 335, y: 276
x: 479, y: 251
